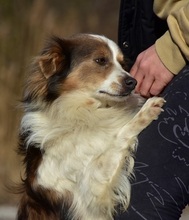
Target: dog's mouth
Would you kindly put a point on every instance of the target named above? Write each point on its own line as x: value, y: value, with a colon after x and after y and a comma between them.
x: 119, y: 89
x: 115, y: 95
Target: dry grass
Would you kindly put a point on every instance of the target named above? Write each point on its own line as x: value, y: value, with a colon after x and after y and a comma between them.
x: 23, y: 27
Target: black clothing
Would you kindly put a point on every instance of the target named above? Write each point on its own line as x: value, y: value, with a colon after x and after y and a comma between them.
x: 160, y: 189
x: 139, y: 27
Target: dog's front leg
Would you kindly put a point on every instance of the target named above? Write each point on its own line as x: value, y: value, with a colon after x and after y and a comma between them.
x: 108, y: 180
x: 149, y: 112
x: 127, y: 137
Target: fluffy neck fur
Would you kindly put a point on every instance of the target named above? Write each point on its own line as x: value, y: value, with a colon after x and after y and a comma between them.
x: 77, y: 112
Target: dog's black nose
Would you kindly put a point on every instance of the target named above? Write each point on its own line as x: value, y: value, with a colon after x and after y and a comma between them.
x: 130, y: 83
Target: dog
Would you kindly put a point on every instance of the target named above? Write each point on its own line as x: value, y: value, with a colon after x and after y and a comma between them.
x: 79, y: 130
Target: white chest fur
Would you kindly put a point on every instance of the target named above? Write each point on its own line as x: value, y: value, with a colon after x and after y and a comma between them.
x: 88, y: 150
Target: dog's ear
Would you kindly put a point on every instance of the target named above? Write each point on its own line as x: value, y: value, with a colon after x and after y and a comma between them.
x: 54, y: 57
x: 49, y: 64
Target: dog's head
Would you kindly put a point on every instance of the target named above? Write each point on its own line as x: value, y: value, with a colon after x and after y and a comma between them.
x: 84, y: 62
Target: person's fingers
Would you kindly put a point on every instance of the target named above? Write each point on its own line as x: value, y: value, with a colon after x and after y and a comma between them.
x: 136, y: 66
x: 145, y: 86
x: 133, y: 70
x: 139, y: 78
x: 156, y: 88
x: 161, y: 82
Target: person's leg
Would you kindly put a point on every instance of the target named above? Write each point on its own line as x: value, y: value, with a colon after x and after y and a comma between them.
x: 160, y: 189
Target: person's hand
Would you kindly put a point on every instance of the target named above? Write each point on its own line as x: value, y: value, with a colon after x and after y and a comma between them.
x: 151, y: 74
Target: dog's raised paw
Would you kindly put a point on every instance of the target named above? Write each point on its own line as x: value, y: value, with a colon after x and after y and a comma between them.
x: 153, y: 107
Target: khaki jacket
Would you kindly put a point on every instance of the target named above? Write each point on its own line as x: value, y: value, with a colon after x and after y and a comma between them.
x: 173, y: 46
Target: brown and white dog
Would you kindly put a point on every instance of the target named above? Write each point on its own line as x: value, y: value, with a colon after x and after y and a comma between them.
x: 79, y: 130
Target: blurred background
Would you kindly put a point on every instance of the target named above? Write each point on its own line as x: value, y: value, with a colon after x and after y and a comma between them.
x: 24, y: 26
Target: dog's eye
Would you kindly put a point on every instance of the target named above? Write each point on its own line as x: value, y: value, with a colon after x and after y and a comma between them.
x: 101, y: 61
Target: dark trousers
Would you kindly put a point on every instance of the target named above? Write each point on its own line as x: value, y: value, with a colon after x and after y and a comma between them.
x: 160, y: 189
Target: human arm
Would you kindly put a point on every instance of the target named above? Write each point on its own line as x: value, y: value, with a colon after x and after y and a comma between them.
x: 154, y: 67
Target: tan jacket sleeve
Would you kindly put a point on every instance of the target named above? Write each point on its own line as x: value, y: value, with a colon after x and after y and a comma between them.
x: 173, y: 46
